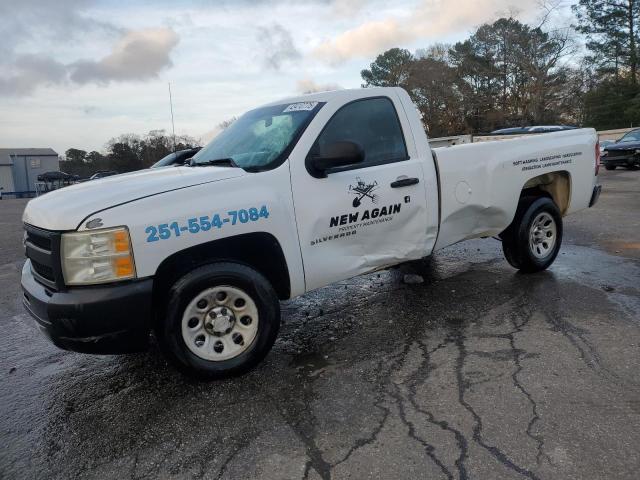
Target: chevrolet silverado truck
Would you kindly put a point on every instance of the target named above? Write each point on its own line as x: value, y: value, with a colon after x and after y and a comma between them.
x: 295, y: 195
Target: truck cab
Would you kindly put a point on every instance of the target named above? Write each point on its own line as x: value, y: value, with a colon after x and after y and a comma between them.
x: 293, y: 196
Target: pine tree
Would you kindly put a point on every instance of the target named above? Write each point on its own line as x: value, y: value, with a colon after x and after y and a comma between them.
x: 390, y: 69
x: 612, y: 28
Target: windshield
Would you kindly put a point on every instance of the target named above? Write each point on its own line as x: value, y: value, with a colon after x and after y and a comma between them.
x: 633, y: 136
x: 262, y: 138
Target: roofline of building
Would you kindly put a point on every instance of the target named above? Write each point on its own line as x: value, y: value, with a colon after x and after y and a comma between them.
x: 33, y: 154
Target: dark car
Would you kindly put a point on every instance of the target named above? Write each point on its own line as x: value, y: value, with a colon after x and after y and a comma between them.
x: 624, y: 153
x: 56, y: 177
x: 176, y: 158
x: 102, y: 174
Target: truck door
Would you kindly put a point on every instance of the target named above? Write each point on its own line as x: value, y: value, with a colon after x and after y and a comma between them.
x: 366, y: 215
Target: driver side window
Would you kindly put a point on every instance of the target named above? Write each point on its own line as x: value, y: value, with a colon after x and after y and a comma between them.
x: 373, y: 124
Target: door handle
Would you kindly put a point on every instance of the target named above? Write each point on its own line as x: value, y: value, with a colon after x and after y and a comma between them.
x: 404, y: 182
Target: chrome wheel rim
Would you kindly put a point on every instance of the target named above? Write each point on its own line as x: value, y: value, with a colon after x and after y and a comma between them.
x: 543, y: 235
x: 220, y: 323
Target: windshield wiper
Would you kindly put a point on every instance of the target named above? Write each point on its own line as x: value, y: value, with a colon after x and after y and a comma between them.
x: 223, y: 162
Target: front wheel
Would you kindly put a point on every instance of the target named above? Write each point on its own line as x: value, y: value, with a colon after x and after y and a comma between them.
x: 532, y: 241
x: 610, y: 167
x: 221, y: 320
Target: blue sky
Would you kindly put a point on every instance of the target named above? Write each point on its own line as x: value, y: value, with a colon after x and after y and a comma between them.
x: 78, y: 72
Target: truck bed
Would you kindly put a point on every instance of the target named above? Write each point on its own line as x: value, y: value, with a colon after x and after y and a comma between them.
x: 480, y: 182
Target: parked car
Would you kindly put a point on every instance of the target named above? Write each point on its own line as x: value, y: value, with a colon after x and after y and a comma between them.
x: 623, y: 153
x: 533, y: 129
x: 604, y: 144
x: 102, y: 174
x: 294, y: 195
x: 176, y: 158
x: 56, y: 176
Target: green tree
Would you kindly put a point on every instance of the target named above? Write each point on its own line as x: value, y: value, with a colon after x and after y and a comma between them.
x: 505, y: 74
x: 474, y: 61
x: 95, y: 160
x: 436, y: 90
x: 131, y: 152
x: 155, y: 145
x: 543, y: 80
x: 74, y: 155
x: 74, y: 162
x: 612, y: 28
x: 390, y: 69
x: 125, y: 153
x: 514, y: 75
x: 612, y: 105
x: 632, y: 112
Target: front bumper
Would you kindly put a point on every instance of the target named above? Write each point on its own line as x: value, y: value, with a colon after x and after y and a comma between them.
x: 107, y: 319
x: 621, y: 161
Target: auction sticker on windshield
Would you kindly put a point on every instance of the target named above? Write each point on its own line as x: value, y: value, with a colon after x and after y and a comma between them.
x: 300, y: 107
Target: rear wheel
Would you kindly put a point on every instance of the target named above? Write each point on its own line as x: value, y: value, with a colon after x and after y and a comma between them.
x: 532, y: 241
x: 222, y: 319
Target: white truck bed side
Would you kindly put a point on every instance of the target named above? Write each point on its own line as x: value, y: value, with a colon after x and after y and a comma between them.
x: 480, y: 182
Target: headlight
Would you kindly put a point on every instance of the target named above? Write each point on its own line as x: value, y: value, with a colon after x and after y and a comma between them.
x: 604, y: 154
x: 97, y: 256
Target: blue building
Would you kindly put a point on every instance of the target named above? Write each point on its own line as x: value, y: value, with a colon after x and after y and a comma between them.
x: 20, y: 167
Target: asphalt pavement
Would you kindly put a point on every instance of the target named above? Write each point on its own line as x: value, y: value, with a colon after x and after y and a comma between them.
x: 479, y: 372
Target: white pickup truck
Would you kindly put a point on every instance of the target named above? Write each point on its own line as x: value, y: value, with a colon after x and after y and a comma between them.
x: 293, y: 196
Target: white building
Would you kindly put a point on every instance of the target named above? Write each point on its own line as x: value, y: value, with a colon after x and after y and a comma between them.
x: 20, y: 167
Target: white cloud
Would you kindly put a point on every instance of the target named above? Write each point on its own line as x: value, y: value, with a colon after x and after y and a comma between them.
x: 368, y: 39
x: 218, y: 69
x: 430, y: 19
x: 29, y: 72
x: 277, y: 46
x: 37, y: 22
x: 307, y: 85
x: 138, y: 55
x: 348, y: 7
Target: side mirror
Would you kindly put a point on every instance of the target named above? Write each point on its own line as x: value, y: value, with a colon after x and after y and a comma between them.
x: 337, y: 154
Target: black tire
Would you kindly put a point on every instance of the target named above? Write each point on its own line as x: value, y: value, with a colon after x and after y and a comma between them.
x: 516, y: 245
x: 186, y: 289
x: 609, y: 167
x: 633, y: 167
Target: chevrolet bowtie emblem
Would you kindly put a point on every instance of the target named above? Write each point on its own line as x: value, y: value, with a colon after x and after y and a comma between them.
x: 95, y: 223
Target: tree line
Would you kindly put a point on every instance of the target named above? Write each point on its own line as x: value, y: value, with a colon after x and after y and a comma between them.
x: 125, y: 153
x: 509, y: 74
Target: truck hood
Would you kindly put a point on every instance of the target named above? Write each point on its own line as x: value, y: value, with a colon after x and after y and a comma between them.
x: 66, y: 208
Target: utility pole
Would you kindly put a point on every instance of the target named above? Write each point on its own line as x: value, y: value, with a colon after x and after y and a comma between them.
x: 173, y: 126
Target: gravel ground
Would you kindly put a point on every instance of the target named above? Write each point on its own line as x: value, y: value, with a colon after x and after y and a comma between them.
x: 478, y: 372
